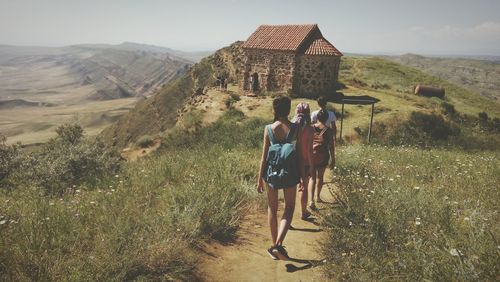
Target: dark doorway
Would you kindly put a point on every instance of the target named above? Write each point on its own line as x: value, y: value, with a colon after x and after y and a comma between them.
x: 255, y: 82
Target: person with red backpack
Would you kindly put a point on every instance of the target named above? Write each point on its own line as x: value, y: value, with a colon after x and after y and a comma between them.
x: 279, y: 169
x: 322, y: 140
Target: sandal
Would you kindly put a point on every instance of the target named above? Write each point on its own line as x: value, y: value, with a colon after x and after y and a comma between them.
x: 270, y: 252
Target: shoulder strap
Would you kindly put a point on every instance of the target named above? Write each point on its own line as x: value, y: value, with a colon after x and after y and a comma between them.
x: 324, y: 130
x: 270, y: 134
x: 292, y: 133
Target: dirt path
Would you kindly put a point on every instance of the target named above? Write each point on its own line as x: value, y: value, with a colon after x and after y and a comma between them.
x: 247, y: 259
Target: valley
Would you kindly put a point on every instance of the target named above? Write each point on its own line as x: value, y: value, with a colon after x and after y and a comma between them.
x: 79, y: 83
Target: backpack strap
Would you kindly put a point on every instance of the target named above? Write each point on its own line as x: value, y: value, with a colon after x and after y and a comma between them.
x: 292, y: 133
x: 270, y: 134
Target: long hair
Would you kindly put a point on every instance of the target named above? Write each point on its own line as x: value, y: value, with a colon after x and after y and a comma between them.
x: 302, y: 114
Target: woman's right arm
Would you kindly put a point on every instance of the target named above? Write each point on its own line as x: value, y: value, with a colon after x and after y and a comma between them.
x: 265, y: 149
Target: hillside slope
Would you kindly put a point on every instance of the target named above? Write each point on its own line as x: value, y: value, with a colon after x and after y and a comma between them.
x: 159, y: 112
x: 477, y: 76
x: 386, y: 79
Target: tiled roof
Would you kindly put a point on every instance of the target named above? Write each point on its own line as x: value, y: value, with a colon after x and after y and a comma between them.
x: 279, y: 37
x: 321, y: 46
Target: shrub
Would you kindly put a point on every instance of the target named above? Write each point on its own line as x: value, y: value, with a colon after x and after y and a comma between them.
x: 231, y: 100
x: 9, y: 160
x: 420, y: 129
x: 66, y: 161
x: 448, y: 108
x: 145, y: 141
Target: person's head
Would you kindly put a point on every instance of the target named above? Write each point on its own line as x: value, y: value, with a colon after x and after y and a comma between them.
x: 302, y: 114
x: 323, y: 116
x: 281, y: 107
x: 322, y: 102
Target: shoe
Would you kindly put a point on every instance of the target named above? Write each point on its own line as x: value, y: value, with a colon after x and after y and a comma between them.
x: 280, y: 253
x: 270, y: 252
x: 306, y: 215
x: 313, y: 207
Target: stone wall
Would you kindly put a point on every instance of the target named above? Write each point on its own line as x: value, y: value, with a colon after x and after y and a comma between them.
x: 303, y: 75
x: 275, y: 69
x: 316, y: 75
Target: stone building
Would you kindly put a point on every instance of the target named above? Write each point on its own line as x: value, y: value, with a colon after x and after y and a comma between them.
x: 296, y: 59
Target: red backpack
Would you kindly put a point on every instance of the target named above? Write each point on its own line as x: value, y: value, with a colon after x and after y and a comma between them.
x: 320, y: 146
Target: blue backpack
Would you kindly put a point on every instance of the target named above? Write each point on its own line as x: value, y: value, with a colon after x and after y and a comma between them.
x: 282, y: 163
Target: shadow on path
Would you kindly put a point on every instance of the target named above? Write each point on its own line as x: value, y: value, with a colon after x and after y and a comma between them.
x: 290, y: 267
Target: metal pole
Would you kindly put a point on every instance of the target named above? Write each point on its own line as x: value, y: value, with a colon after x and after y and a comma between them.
x: 371, y: 122
x: 341, y: 122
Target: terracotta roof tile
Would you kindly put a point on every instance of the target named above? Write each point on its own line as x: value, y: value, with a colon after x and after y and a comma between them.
x: 321, y: 46
x: 279, y: 37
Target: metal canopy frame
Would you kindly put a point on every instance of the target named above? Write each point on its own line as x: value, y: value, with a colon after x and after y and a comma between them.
x: 357, y: 100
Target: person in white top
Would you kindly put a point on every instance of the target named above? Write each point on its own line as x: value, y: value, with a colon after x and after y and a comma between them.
x: 330, y: 123
x: 331, y: 115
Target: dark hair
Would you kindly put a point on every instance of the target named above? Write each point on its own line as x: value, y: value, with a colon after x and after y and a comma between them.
x: 281, y: 106
x: 322, y: 101
x: 323, y: 116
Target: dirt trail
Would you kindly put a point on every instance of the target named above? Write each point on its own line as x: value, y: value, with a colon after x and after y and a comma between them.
x: 247, y: 259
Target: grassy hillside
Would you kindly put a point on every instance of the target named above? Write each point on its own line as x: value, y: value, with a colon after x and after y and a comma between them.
x: 159, y: 112
x: 478, y: 76
x: 408, y: 214
x: 383, y: 76
x: 145, y: 221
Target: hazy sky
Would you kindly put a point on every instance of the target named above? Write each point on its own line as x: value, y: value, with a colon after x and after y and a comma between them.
x: 364, y: 26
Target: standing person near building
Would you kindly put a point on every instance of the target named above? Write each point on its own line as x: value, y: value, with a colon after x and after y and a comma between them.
x: 330, y: 122
x: 250, y: 83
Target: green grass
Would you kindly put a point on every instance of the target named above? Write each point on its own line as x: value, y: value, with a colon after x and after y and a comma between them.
x: 411, y: 214
x: 143, y: 223
x: 399, y: 80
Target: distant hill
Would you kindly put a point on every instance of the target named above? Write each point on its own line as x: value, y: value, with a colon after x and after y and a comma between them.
x: 84, y: 72
x: 478, y: 76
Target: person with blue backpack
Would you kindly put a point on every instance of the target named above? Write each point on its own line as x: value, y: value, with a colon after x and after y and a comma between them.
x: 279, y: 169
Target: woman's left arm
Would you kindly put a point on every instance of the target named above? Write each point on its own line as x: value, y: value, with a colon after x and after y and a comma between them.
x: 265, y: 149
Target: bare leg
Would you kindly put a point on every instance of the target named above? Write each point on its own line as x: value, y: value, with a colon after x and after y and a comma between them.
x: 272, y: 211
x: 320, y: 176
x: 303, y: 197
x: 286, y: 220
x: 311, y: 187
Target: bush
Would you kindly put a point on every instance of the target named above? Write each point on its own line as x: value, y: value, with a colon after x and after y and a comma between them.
x: 67, y: 161
x: 145, y: 141
x: 448, y: 108
x: 231, y: 100
x: 420, y: 129
x: 9, y: 160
